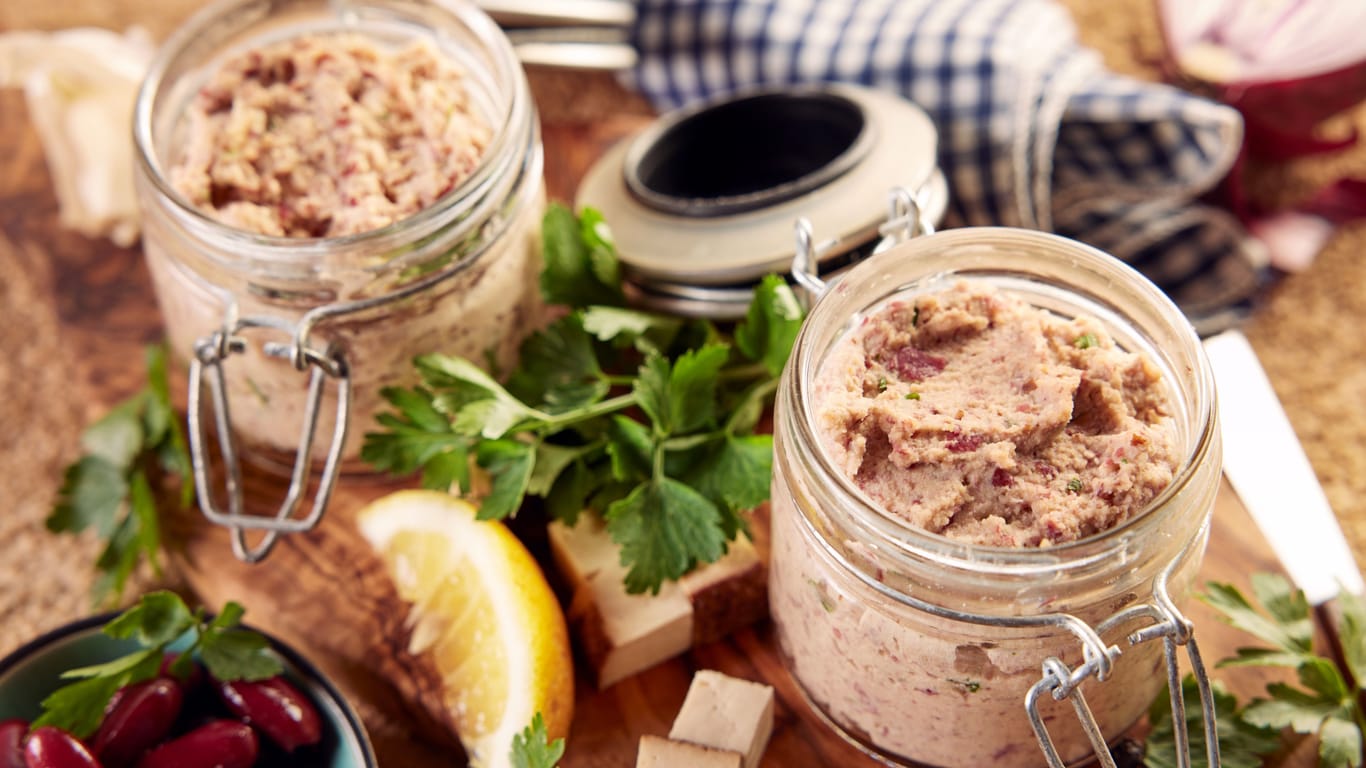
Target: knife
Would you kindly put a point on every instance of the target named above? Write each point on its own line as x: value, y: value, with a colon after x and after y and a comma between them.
x: 1266, y: 466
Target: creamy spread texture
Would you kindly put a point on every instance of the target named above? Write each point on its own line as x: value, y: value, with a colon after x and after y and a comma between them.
x: 974, y: 415
x: 328, y: 135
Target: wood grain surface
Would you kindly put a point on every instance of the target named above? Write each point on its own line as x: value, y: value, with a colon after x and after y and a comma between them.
x: 77, y: 313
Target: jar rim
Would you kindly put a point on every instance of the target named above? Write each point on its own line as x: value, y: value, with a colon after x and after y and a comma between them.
x: 286, y: 249
x: 961, y: 555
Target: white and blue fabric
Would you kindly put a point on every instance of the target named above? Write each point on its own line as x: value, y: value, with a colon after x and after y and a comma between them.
x: 1033, y: 131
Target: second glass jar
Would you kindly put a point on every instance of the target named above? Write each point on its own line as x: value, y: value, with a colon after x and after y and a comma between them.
x: 921, y: 649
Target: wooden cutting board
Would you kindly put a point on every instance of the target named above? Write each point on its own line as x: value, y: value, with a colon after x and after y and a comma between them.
x: 328, y: 594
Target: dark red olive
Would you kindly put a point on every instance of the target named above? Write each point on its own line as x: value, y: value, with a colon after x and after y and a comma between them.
x: 12, y: 733
x: 50, y: 747
x: 216, y: 744
x: 137, y: 719
x: 275, y: 707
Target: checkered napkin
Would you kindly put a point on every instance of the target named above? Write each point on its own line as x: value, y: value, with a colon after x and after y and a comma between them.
x: 1033, y: 132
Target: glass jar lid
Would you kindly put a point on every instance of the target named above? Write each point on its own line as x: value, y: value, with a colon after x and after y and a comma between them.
x: 702, y: 203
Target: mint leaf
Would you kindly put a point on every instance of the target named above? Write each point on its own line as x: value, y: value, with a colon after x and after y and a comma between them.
x: 580, y: 261
x: 664, y: 529
x: 770, y: 327
x: 509, y: 464
x: 532, y: 747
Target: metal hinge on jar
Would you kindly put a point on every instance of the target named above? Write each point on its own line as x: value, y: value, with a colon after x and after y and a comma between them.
x: 908, y: 216
x: 210, y: 354
x: 1064, y: 683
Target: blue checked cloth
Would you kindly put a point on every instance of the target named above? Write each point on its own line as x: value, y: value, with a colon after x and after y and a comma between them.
x: 1033, y: 131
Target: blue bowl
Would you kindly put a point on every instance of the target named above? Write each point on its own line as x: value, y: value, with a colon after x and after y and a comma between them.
x: 33, y: 671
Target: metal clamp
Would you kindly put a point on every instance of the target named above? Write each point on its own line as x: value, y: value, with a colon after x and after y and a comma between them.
x: 210, y: 353
x: 908, y: 216
x: 1061, y: 682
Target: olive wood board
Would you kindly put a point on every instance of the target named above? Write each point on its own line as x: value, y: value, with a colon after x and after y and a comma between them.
x: 329, y: 594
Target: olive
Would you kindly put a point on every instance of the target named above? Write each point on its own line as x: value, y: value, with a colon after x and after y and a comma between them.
x: 50, y: 747
x: 12, y: 733
x: 276, y: 708
x: 138, y: 717
x: 216, y: 744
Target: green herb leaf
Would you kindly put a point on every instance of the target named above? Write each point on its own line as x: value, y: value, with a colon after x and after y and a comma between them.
x: 1296, y: 637
x: 1241, y: 744
x: 238, y: 654
x: 157, y: 620
x: 1086, y: 341
x: 1290, y: 709
x: 643, y: 418
x: 1352, y: 634
x: 664, y: 529
x: 109, y: 488
x: 580, y: 260
x: 770, y: 326
x: 509, y: 464
x: 1339, y: 743
x: 532, y: 747
x: 92, y: 493
x: 78, y: 708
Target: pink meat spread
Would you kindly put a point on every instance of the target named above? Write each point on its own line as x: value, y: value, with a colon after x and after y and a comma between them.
x: 972, y: 414
x: 327, y: 136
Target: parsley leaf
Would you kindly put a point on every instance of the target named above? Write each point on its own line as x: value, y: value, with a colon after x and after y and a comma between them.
x: 109, y: 488
x: 1325, y: 704
x: 644, y: 418
x: 581, y: 267
x: 770, y: 326
x: 532, y: 747
x: 158, y: 619
x: 1241, y: 742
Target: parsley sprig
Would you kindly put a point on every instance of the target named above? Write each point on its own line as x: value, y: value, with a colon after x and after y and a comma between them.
x: 646, y: 418
x: 157, y: 620
x: 110, y: 487
x: 532, y: 747
x: 1325, y: 702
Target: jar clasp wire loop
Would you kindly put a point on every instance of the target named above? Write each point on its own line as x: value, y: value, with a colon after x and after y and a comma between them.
x: 1061, y: 682
x: 206, y: 366
x: 907, y: 216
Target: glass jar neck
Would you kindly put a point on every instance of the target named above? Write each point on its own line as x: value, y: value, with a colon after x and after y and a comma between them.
x: 444, y: 237
x: 1058, y: 275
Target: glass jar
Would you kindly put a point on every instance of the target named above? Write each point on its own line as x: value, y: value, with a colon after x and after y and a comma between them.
x: 923, y: 650
x: 263, y: 315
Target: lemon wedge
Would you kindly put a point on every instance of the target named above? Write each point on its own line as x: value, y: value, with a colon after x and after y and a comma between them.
x: 482, y: 608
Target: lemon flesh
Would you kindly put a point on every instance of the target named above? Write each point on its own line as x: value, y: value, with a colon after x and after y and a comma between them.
x: 481, y: 606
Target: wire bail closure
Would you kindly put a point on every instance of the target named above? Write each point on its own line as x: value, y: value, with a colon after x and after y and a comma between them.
x: 1063, y: 683
x: 908, y: 216
x: 210, y: 354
